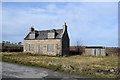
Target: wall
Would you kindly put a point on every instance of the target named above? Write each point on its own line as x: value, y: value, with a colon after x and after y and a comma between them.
x: 56, y: 42
x: 65, y: 44
x: 74, y: 50
x: 112, y: 50
x: 89, y: 52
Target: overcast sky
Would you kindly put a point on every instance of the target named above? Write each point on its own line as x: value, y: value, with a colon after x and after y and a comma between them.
x: 92, y: 23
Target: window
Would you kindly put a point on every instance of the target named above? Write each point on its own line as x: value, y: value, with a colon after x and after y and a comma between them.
x: 50, y: 47
x: 40, y: 50
x: 31, y: 47
x: 32, y: 36
x: 51, y: 35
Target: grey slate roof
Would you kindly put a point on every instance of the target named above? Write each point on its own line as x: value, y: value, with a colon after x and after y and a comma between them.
x: 43, y: 34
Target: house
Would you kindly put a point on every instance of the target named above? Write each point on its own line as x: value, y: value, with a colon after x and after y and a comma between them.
x: 49, y: 42
x: 95, y: 51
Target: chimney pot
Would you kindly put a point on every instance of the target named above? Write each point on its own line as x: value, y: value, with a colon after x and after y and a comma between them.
x: 32, y: 29
x: 65, y: 26
x: 65, y: 23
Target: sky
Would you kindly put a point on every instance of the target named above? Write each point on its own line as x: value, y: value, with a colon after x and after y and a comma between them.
x: 91, y: 23
x: 60, y: 0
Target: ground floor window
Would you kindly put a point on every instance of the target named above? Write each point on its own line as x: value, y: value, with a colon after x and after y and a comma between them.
x: 40, y: 48
x: 50, y: 47
x: 31, y: 47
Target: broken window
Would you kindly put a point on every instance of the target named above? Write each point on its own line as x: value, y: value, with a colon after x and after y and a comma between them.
x: 50, y: 47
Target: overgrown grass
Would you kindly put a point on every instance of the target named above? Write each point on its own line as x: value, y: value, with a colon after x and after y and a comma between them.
x: 90, y: 66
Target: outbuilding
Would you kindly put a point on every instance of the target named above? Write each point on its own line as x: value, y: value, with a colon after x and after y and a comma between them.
x: 95, y: 51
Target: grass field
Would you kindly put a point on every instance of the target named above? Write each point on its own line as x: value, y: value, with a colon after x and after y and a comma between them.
x: 90, y: 66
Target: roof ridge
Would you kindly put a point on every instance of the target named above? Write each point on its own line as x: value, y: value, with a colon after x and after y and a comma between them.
x: 49, y: 29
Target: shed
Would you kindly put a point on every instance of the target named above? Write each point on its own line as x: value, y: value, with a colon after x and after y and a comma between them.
x: 95, y: 51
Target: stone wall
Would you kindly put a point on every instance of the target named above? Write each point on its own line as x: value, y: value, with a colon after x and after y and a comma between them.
x: 112, y: 51
x: 65, y: 44
x: 36, y: 43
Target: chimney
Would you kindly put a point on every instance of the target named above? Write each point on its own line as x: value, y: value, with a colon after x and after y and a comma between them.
x: 65, y: 26
x: 32, y: 29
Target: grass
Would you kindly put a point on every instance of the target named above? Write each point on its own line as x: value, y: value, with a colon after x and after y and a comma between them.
x: 90, y: 66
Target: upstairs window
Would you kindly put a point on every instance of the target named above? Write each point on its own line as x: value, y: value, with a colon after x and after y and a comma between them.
x: 51, y: 35
x: 50, y: 47
x: 31, y: 47
x: 32, y: 36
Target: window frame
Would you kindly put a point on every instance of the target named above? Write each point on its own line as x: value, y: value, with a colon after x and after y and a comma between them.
x: 40, y: 46
x: 32, y: 36
x: 50, y: 47
x: 31, y: 47
x: 51, y: 35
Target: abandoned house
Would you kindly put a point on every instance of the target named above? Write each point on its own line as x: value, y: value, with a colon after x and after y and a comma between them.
x: 48, y: 42
x: 95, y: 51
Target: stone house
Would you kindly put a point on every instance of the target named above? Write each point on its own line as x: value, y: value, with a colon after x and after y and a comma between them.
x: 48, y: 42
x: 95, y: 51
